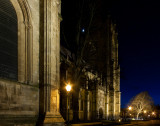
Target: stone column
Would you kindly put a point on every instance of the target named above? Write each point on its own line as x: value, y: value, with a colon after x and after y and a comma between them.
x: 49, y: 62
x: 107, y: 104
x: 118, y: 94
x: 86, y: 100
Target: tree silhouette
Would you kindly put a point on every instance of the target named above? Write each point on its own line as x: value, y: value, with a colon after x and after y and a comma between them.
x: 141, y: 102
x: 75, y: 34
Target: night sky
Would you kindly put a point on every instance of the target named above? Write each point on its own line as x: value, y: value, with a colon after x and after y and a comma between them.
x: 139, y: 48
x: 138, y: 24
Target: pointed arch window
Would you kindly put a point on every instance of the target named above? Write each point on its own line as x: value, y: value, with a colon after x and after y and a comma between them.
x: 8, y: 41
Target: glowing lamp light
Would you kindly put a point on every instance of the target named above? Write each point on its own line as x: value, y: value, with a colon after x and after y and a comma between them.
x: 145, y: 111
x: 153, y: 113
x: 129, y: 107
x: 68, y: 87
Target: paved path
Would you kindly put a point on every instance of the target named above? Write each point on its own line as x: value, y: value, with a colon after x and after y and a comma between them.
x: 143, y: 123
x: 134, y: 123
x: 88, y: 124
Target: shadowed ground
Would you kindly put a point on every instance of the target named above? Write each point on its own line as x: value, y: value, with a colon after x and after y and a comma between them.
x: 133, y: 123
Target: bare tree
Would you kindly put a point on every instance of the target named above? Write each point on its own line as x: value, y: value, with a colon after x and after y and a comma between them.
x: 77, y: 41
x: 141, y: 102
x: 79, y: 35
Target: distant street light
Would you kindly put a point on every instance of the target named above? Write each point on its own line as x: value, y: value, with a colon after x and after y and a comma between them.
x: 130, y: 108
x: 145, y: 115
x: 68, y: 88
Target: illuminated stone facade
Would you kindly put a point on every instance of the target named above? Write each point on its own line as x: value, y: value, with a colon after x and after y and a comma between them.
x: 35, y: 90
x: 113, y: 87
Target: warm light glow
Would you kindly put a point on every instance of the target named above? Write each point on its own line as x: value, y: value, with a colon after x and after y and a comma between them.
x: 68, y: 87
x: 130, y: 108
x: 145, y: 111
x: 153, y: 113
x: 119, y: 120
x: 130, y: 114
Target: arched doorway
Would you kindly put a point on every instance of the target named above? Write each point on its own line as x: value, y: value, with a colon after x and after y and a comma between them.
x: 100, y: 113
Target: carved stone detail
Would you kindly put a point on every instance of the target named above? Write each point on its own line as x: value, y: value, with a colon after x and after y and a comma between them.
x: 25, y: 42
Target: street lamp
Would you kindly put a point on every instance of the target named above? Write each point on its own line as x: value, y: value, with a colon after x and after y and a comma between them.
x: 144, y: 115
x: 68, y: 88
x: 153, y: 114
x: 130, y: 108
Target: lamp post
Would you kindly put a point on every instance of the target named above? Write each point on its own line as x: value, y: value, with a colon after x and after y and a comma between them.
x: 144, y: 114
x: 153, y: 115
x: 129, y: 108
x: 68, y: 88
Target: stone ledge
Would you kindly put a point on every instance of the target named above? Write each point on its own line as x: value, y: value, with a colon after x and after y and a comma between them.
x: 8, y: 81
x: 54, y: 124
x: 53, y: 119
x: 20, y: 120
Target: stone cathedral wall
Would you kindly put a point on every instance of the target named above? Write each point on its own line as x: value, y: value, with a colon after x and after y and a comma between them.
x: 19, y: 99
